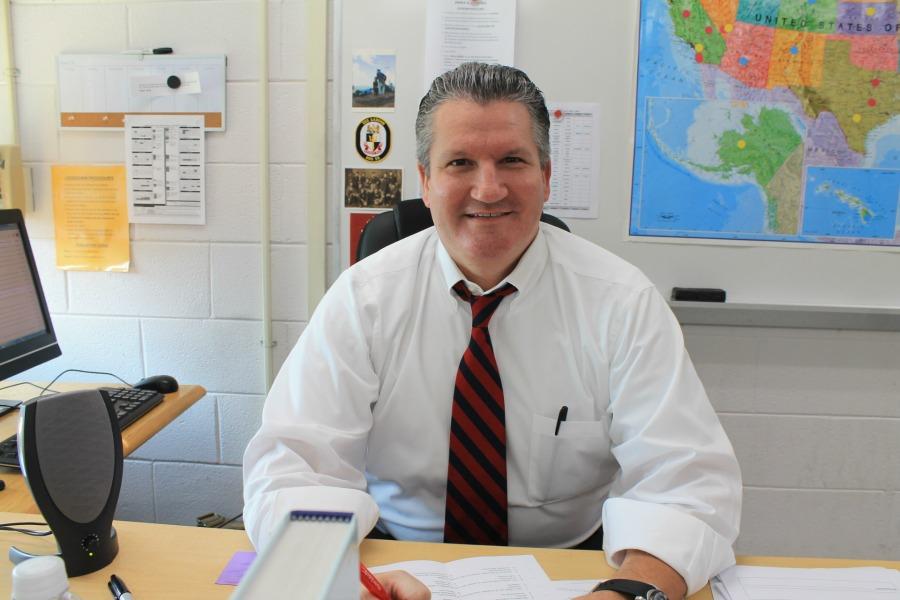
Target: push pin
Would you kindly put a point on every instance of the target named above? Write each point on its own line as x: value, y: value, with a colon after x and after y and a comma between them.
x: 173, y: 82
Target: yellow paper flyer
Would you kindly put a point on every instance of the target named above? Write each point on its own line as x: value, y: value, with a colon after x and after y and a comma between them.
x: 91, y: 217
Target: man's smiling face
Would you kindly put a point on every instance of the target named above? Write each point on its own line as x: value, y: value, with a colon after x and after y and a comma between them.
x: 485, y: 185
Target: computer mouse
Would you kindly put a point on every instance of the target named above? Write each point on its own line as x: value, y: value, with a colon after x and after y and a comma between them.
x: 165, y: 384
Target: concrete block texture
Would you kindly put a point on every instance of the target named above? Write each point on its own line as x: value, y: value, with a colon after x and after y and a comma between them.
x: 237, y: 281
x: 184, y: 491
x: 53, y: 281
x: 722, y: 363
x: 91, y: 147
x: 39, y: 116
x: 792, y: 371
x: 239, y: 142
x: 287, y: 122
x: 192, y: 437
x: 816, y: 452
x: 827, y: 523
x: 232, y: 207
x: 44, y: 30
x: 112, y: 345
x: 239, y: 418
x: 230, y: 29
x: 285, y: 336
x: 136, y: 495
x: 828, y: 372
x: 222, y: 356
x: 154, y: 286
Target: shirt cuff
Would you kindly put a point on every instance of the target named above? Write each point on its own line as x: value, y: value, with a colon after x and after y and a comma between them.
x: 684, y: 542
x: 316, y: 497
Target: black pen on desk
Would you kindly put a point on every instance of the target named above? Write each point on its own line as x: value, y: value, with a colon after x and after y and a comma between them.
x: 563, y: 413
x: 118, y: 588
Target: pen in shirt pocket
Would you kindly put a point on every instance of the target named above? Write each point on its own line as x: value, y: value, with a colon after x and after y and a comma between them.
x: 563, y: 413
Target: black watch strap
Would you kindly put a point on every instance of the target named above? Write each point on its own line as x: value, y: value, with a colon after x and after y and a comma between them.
x: 638, y: 590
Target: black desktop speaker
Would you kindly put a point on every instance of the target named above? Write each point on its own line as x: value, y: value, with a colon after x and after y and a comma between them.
x: 70, y: 451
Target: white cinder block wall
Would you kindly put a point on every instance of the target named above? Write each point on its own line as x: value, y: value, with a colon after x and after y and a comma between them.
x: 190, y: 306
x: 814, y: 415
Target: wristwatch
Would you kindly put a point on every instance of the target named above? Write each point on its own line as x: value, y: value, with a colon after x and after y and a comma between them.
x: 632, y: 589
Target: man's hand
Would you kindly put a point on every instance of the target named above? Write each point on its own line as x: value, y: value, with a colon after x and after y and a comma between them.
x: 399, y: 585
x: 641, y: 566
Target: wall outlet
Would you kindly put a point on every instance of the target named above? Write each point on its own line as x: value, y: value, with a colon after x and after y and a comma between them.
x: 13, y: 179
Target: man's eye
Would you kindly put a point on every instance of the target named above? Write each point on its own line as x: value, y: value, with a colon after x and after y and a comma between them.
x: 513, y: 159
x: 459, y: 162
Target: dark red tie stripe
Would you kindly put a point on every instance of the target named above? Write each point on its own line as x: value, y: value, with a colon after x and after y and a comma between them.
x: 476, y: 473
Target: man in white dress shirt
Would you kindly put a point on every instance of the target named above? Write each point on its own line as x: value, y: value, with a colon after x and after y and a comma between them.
x: 359, y: 417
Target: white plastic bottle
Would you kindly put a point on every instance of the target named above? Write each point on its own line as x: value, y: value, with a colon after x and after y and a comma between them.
x: 41, y: 578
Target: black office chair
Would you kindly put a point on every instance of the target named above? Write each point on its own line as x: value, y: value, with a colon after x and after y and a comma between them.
x: 406, y: 218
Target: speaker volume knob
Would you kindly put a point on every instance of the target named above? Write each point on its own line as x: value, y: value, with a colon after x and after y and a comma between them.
x: 90, y: 543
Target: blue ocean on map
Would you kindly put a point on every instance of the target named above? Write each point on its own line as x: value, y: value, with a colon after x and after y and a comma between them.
x: 670, y: 66
x: 853, y: 203
x: 887, y: 152
x: 713, y: 207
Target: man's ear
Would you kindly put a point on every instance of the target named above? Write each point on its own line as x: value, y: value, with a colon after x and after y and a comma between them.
x: 545, y: 172
x: 424, y: 182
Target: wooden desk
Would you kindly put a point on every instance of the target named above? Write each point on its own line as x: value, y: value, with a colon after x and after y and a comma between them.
x: 176, y: 562
x: 17, y: 498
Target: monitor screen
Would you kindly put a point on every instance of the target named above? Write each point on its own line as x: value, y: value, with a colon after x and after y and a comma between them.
x: 26, y: 333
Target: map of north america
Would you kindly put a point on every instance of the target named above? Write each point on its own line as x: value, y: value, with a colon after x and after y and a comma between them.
x: 768, y: 120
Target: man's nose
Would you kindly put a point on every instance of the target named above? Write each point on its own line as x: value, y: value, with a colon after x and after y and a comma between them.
x: 488, y: 185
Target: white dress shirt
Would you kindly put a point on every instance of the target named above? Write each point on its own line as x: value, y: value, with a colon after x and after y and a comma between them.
x: 358, y: 418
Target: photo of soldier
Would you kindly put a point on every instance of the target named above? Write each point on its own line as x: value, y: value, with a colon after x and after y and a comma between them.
x: 374, y: 80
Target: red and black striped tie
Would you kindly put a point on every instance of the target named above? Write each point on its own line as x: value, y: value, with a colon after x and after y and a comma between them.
x: 476, y: 473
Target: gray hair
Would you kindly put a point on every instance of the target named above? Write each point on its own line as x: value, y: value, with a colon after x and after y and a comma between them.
x: 483, y: 83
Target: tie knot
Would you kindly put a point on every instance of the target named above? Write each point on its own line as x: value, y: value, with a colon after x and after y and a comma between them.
x: 483, y: 306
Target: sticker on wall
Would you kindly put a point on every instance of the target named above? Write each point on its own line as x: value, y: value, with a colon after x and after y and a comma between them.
x: 372, y: 188
x: 373, y: 139
x: 374, y: 80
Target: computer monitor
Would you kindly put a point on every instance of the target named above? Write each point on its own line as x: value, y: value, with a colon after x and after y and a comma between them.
x: 27, y: 338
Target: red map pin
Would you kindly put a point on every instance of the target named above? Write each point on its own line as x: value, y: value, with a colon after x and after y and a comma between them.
x: 558, y: 113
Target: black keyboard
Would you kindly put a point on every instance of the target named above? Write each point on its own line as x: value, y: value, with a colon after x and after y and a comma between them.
x: 130, y: 405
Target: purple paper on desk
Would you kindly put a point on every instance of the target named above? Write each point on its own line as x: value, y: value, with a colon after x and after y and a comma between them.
x: 236, y: 567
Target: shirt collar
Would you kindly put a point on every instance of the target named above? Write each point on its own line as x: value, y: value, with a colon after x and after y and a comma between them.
x: 523, y: 276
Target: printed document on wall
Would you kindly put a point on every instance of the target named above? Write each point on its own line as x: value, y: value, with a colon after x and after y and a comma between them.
x: 90, y: 217
x: 458, y: 31
x: 165, y: 159
x: 574, y: 159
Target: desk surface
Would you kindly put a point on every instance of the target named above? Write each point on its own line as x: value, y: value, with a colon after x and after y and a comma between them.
x: 17, y: 498
x: 175, y: 562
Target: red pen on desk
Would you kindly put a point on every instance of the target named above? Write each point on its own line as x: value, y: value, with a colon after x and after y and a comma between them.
x: 373, y: 585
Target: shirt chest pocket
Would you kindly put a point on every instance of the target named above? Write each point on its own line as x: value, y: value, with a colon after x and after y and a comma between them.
x: 574, y: 462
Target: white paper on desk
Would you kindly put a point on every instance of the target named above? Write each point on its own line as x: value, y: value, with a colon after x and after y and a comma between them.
x: 563, y: 589
x: 164, y: 159
x: 482, y: 577
x: 575, y: 160
x: 473, y: 30
x: 779, y: 583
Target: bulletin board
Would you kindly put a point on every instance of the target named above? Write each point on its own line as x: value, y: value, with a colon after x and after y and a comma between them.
x: 586, y: 51
x: 96, y: 91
